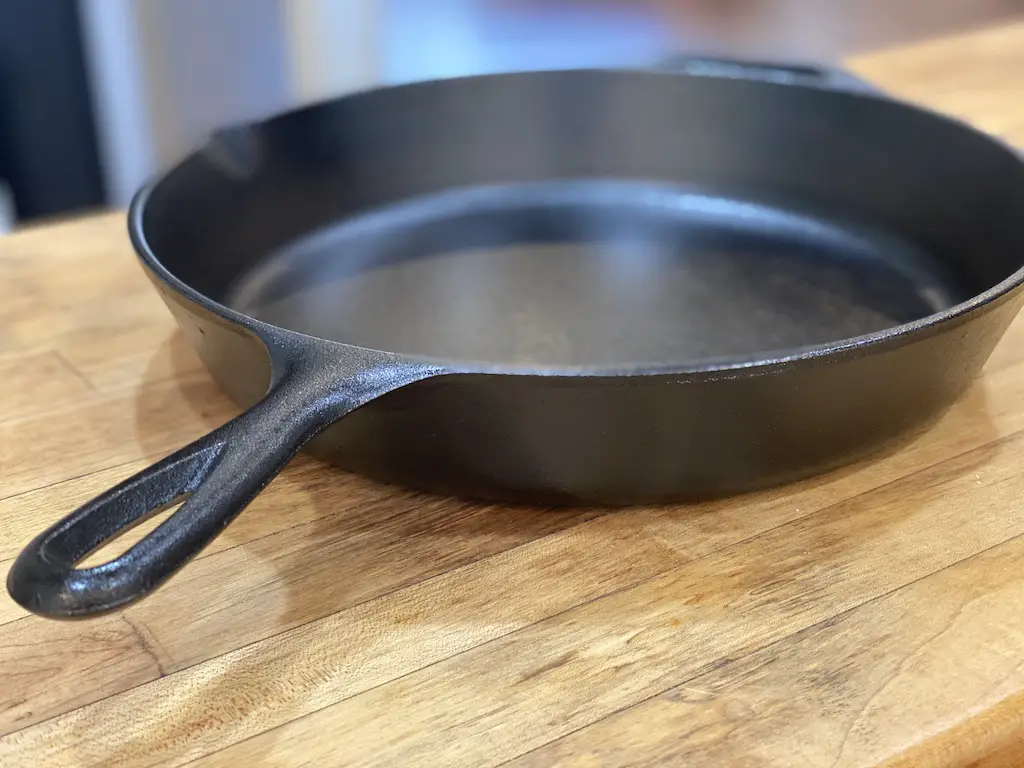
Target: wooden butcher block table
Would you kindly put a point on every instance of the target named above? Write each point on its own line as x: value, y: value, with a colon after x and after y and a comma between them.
x: 871, y: 617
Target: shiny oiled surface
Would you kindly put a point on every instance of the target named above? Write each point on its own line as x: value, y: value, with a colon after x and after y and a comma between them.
x: 616, y: 274
x: 871, y: 617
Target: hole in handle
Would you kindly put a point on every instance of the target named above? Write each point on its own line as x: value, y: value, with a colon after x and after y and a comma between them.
x: 121, y: 541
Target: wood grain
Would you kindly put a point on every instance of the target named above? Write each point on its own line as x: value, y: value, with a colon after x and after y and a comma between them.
x: 497, y: 701
x: 66, y: 665
x: 36, y: 450
x: 869, y: 617
x: 371, y: 546
x: 744, y: 712
x: 269, y: 683
x: 993, y: 738
x: 34, y: 384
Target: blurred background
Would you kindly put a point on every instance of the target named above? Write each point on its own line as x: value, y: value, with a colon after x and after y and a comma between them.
x: 97, y: 95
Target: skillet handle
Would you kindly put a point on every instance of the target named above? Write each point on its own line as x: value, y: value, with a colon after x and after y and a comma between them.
x: 217, y: 476
x: 784, y: 72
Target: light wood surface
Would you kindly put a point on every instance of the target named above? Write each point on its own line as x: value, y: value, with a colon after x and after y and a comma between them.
x: 871, y: 617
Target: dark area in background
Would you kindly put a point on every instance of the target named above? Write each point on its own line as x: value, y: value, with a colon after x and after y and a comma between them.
x: 48, y: 149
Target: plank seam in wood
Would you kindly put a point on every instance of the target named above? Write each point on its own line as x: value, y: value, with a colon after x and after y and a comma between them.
x: 73, y: 370
x: 108, y: 396
x: 145, y: 640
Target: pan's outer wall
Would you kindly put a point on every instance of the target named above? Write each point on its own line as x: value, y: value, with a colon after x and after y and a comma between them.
x: 627, y: 439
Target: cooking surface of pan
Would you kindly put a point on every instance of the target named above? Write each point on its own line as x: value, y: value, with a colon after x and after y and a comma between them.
x: 592, y: 219
x: 584, y: 274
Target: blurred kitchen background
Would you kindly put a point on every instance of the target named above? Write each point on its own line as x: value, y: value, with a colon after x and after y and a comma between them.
x: 97, y: 95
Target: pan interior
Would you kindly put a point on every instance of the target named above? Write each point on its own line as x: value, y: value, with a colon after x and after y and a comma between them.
x: 594, y: 273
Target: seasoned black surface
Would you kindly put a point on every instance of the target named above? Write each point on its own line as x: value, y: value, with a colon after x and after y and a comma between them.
x: 592, y: 274
x: 593, y: 218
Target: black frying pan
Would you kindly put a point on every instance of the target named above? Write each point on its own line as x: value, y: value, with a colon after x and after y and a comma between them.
x: 580, y: 287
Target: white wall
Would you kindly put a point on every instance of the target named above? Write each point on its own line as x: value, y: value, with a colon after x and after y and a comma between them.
x: 6, y: 209
x: 165, y: 73
x: 117, y: 73
x: 213, y: 62
x: 333, y: 46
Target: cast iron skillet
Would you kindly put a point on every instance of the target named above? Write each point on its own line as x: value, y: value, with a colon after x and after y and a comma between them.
x: 579, y: 287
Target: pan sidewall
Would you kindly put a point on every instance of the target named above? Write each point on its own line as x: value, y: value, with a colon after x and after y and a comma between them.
x: 660, y: 438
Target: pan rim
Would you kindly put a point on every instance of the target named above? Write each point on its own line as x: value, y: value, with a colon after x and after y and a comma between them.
x: 744, y: 364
